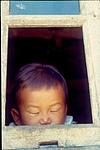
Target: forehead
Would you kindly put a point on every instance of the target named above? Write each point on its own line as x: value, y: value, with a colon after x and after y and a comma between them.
x: 50, y: 95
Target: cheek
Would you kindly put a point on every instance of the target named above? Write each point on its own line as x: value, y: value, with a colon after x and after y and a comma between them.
x: 58, y: 117
x: 28, y: 119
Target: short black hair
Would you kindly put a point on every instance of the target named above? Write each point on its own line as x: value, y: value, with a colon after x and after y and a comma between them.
x: 36, y: 76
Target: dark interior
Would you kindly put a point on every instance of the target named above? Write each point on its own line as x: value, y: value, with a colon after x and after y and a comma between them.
x: 61, y: 47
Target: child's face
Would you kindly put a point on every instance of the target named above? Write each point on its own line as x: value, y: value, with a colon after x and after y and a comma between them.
x: 40, y: 107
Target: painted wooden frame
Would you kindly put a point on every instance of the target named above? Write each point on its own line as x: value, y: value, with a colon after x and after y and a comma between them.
x: 67, y: 136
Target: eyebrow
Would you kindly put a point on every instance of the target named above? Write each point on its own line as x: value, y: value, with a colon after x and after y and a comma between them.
x: 38, y: 106
x: 55, y: 104
x: 33, y: 106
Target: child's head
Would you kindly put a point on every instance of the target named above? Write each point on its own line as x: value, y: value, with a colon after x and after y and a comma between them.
x: 40, y: 94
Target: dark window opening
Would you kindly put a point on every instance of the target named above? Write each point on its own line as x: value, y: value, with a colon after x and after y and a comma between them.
x: 60, y: 47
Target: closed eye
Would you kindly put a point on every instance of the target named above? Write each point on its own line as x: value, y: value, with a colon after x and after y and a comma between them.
x: 33, y: 110
x: 55, y: 108
x: 35, y: 113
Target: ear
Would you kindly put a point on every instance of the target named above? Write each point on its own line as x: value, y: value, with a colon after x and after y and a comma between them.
x: 16, y: 116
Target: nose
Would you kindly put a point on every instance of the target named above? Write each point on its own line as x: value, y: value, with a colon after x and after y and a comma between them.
x: 45, y: 119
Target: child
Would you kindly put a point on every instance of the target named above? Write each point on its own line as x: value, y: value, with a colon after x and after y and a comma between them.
x: 40, y: 96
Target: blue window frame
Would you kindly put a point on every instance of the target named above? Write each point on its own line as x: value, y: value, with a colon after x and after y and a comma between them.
x: 44, y: 7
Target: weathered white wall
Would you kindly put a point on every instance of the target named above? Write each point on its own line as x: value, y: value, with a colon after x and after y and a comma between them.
x: 87, y: 136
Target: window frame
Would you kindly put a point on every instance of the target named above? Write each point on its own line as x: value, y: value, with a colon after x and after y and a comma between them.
x: 73, y: 135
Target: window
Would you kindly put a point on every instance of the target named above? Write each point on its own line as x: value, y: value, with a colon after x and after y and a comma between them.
x: 86, y: 132
x: 60, y: 47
